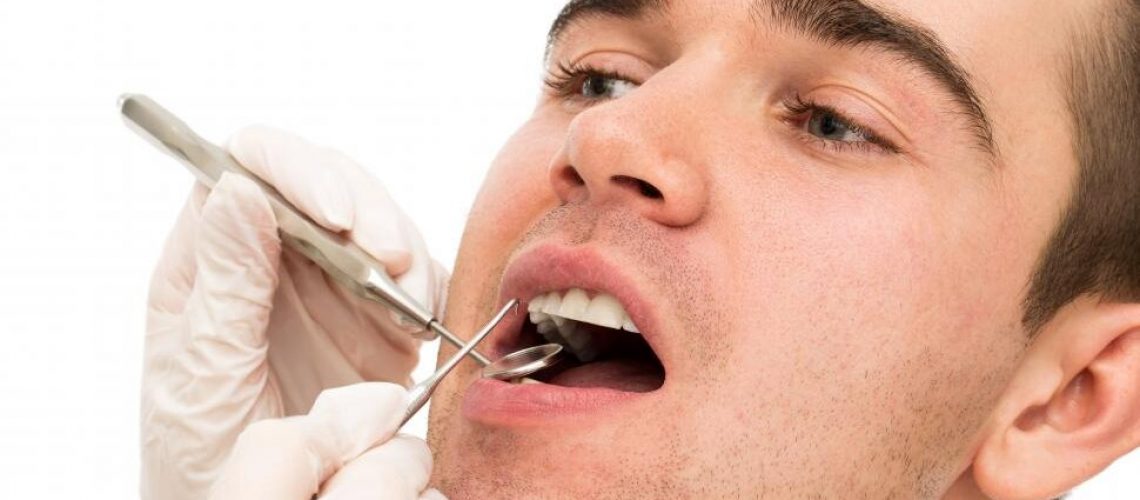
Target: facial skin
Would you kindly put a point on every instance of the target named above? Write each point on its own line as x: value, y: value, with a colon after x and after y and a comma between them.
x: 835, y: 320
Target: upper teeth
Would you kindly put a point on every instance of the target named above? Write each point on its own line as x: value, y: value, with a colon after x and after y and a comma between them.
x: 557, y: 316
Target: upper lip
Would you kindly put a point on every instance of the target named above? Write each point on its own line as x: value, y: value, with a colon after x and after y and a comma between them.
x: 551, y: 267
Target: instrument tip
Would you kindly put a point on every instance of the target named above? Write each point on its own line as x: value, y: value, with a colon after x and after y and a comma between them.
x: 123, y: 99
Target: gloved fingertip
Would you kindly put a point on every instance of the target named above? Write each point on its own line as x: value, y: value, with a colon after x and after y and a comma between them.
x: 397, y: 469
x: 198, y: 195
x: 414, y: 448
x: 358, y: 416
x: 396, y: 262
x: 174, y: 275
x: 310, y: 177
x: 432, y: 494
x: 247, y: 144
x: 336, y: 205
x: 236, y: 199
x: 235, y: 183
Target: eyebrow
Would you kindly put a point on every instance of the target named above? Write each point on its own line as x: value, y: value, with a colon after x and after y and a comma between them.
x: 579, y: 10
x: 839, y: 23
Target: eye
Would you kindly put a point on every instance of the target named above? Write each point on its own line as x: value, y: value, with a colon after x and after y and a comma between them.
x: 829, y: 126
x: 831, y: 129
x: 598, y: 86
x: 587, y: 84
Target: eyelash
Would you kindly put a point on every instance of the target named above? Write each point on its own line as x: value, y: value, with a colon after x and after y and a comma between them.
x: 800, y: 110
x: 565, y: 83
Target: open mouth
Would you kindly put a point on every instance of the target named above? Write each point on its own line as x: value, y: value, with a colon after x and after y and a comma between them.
x: 584, y: 300
x: 604, y: 347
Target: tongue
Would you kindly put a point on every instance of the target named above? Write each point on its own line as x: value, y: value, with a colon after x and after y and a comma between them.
x: 621, y: 374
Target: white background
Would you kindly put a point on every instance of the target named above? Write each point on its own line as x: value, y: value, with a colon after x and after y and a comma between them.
x: 423, y: 93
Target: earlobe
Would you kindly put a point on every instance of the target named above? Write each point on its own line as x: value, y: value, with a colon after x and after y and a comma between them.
x: 1072, y: 407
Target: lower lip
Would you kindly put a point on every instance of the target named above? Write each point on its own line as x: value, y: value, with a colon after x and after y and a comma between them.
x: 495, y: 402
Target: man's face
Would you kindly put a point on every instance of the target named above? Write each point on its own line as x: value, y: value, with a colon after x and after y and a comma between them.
x: 823, y: 233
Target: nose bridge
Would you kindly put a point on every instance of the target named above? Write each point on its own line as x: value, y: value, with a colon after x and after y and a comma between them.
x: 644, y: 149
x: 668, y: 111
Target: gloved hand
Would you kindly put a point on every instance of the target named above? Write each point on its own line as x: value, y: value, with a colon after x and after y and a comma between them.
x: 239, y: 329
x: 342, y: 449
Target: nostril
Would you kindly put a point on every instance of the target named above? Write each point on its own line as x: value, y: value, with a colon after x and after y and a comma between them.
x: 571, y: 176
x: 646, y: 189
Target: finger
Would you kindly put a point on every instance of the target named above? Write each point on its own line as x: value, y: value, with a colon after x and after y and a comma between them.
x: 387, y: 233
x: 356, y: 417
x: 432, y: 494
x: 236, y: 254
x: 398, y: 469
x: 423, y: 282
x: 290, y: 458
x: 173, y: 277
x: 308, y: 176
x: 381, y: 227
x: 333, y: 189
x: 212, y: 359
x: 271, y: 459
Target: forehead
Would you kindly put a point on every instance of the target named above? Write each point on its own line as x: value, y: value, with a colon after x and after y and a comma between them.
x: 951, y: 19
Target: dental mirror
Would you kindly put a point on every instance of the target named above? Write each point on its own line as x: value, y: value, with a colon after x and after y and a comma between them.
x: 513, y: 366
x: 523, y: 362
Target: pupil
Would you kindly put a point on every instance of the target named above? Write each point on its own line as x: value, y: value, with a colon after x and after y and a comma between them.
x: 828, y: 125
x: 596, y: 86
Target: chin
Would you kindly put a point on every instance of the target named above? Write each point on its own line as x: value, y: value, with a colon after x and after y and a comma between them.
x: 477, y: 465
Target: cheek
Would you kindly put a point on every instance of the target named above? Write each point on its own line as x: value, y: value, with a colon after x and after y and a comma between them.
x: 905, y: 256
x: 515, y: 193
x: 516, y: 190
x: 884, y: 297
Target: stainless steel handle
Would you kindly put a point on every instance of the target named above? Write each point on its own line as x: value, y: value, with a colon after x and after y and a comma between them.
x: 343, y: 260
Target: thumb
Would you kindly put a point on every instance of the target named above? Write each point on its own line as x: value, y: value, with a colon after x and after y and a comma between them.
x: 291, y: 457
x: 398, y: 469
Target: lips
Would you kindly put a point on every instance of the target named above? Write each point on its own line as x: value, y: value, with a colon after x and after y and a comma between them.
x: 617, y: 365
x: 553, y: 268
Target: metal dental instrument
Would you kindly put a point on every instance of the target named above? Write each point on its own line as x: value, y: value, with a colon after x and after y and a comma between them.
x: 521, y: 363
x: 423, y: 390
x: 343, y: 260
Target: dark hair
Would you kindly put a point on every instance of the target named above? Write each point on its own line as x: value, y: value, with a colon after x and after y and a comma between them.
x: 1096, y: 247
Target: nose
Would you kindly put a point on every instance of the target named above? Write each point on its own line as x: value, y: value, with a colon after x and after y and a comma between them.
x: 629, y: 152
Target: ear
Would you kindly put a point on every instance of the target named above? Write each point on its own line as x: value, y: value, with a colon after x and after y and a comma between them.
x: 1072, y: 406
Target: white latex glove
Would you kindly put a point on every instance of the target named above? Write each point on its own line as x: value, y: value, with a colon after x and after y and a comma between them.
x: 342, y: 449
x: 239, y: 329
